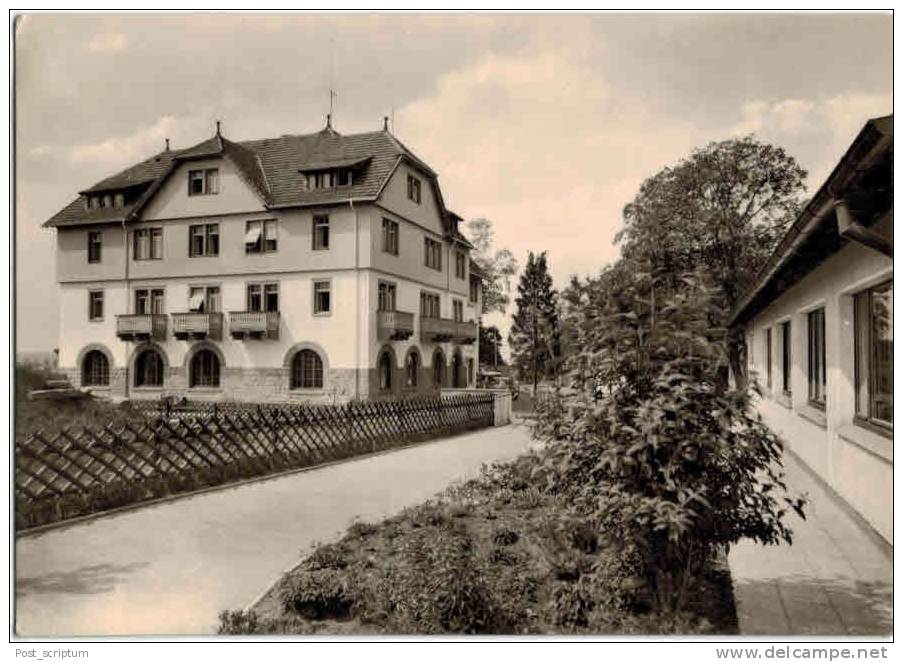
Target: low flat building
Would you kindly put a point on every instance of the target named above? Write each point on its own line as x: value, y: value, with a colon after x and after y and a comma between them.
x: 819, y: 330
x: 320, y: 267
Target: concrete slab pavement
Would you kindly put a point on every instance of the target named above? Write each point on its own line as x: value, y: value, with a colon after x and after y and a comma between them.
x: 836, y: 578
x: 171, y: 568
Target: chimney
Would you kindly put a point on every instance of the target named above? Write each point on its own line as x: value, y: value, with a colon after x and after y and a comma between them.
x: 385, y: 122
x: 167, y: 144
x: 218, y: 132
x: 329, y: 121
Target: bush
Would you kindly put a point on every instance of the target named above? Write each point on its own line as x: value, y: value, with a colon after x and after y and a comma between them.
x: 319, y: 594
x: 649, y: 445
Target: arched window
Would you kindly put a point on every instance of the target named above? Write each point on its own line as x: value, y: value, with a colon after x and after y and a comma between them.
x: 149, y: 368
x: 95, y: 369
x: 438, y: 369
x: 204, y: 370
x: 385, y: 371
x: 307, y: 369
x: 411, y: 369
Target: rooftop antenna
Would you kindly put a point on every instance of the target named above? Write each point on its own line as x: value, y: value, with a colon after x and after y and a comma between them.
x: 332, y: 92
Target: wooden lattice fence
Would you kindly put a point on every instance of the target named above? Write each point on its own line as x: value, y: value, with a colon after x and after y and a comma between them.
x: 82, y: 470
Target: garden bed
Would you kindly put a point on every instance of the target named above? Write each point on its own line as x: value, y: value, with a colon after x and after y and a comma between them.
x: 492, y: 556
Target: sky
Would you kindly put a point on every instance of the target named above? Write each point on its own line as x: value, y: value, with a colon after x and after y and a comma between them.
x: 544, y: 124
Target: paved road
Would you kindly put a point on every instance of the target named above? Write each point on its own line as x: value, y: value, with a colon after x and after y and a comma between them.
x: 835, y: 579
x: 171, y: 568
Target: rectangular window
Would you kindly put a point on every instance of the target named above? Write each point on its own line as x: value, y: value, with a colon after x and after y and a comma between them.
x: 387, y: 292
x: 94, y: 247
x: 458, y: 310
x: 413, y: 189
x: 263, y: 297
x: 119, y: 200
x: 322, y: 297
x: 429, y: 305
x: 95, y: 305
x: 785, y: 357
x: 321, y: 233
x: 390, y: 236
x: 149, y: 302
x: 432, y: 257
x: 460, y: 265
x: 203, y: 240
x: 817, y: 372
x: 261, y: 236
x: 474, y: 289
x: 203, y: 182
x: 204, y: 299
x: 874, y: 355
x: 768, y: 358
x: 147, y: 244
x: 330, y: 178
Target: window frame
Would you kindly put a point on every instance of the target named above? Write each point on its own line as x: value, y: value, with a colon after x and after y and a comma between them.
x: 869, y: 419
x: 432, y: 254
x: 138, y: 372
x: 216, y: 383
x: 261, y: 246
x: 386, y: 285
x: 314, y: 307
x: 426, y: 311
x: 474, y: 289
x: 457, y: 310
x: 83, y: 369
x: 207, y: 298
x: 320, y: 222
x: 816, y: 356
x: 205, y: 176
x: 415, y: 189
x: 150, y: 233
x: 206, y: 231
x: 297, y: 373
x: 390, y: 236
x: 98, y: 244
x: 460, y: 265
x: 151, y: 298
x: 769, y: 356
x: 91, y: 300
x: 786, y: 357
x: 412, y: 369
x: 263, y: 287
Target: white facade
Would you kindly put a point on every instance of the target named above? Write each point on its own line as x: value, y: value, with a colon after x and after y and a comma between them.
x: 856, y: 461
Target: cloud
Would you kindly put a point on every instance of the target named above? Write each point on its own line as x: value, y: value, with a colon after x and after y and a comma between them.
x: 815, y: 131
x: 107, y: 42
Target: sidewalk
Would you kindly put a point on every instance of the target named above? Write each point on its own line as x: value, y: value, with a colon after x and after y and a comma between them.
x: 836, y: 578
x: 170, y: 568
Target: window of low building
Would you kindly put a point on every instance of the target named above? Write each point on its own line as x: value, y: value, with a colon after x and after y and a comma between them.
x: 786, y: 357
x: 874, y: 355
x: 817, y: 372
x: 768, y: 358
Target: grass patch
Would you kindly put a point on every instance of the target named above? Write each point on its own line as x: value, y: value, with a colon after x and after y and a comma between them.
x: 50, y: 415
x: 494, y: 555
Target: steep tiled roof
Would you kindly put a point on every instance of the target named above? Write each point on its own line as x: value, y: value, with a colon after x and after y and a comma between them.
x: 272, y: 166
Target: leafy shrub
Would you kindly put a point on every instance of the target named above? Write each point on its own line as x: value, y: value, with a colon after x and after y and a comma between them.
x: 319, y: 594
x: 647, y: 442
x: 504, y: 537
x: 328, y: 557
x: 362, y: 529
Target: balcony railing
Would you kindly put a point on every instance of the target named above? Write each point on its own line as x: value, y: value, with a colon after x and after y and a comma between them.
x: 187, y: 326
x: 254, y: 325
x: 436, y: 329
x: 394, y: 325
x: 465, y: 332
x: 141, y: 327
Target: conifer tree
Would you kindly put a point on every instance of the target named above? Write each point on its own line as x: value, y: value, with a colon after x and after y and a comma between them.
x: 535, y: 336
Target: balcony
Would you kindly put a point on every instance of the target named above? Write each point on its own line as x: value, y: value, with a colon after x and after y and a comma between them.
x: 258, y: 325
x: 436, y: 329
x: 394, y: 325
x: 141, y: 327
x: 465, y: 332
x: 194, y: 326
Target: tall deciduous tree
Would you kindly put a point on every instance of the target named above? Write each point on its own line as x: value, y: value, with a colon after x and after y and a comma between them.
x: 723, y: 210
x: 497, y: 265
x: 535, y: 336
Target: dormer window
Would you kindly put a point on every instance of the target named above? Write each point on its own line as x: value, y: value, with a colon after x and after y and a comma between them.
x: 330, y: 178
x: 203, y: 182
x: 119, y: 200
